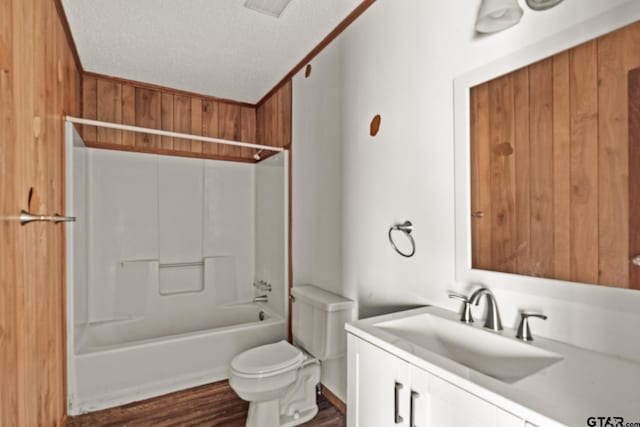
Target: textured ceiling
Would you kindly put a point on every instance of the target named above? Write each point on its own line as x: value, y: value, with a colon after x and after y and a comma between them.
x: 214, y: 47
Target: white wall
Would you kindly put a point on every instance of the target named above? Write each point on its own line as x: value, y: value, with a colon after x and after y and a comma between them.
x: 399, y: 60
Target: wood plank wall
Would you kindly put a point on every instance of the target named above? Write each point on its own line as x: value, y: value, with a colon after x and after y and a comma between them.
x: 39, y: 83
x: 550, y: 165
x: 140, y: 104
x: 274, y: 117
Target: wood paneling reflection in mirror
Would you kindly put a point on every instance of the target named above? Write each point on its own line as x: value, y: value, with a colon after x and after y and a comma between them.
x: 550, y: 166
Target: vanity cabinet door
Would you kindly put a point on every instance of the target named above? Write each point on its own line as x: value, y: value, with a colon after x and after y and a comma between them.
x: 385, y: 391
x: 377, y: 383
x: 449, y: 405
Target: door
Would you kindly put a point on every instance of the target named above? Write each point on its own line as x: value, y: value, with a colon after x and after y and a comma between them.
x: 378, y: 387
x: 449, y: 405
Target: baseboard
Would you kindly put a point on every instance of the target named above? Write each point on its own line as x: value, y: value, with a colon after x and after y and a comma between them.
x: 334, y: 400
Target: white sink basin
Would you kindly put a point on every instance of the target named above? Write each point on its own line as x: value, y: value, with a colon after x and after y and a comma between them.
x: 490, y: 353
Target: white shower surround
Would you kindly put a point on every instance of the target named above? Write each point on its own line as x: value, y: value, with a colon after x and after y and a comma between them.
x: 121, y: 350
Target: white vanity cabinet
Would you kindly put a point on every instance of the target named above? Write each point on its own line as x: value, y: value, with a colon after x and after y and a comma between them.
x: 384, y: 390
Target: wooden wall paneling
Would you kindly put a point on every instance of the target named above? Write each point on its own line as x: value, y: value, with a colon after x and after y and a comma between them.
x: 182, y: 121
x: 164, y: 89
x: 167, y: 119
x: 109, y: 109
x: 481, y: 209
x: 247, y: 130
x: 38, y: 84
x: 90, y: 107
x: 148, y: 115
x: 501, y: 128
x: 286, y: 103
x: 634, y: 175
x: 121, y: 101
x: 35, y: 237
x: 561, y: 168
x: 196, y: 124
x: 522, y: 172
x: 128, y: 114
x: 273, y: 118
x: 12, y: 243
x: 541, y: 153
x: 229, y: 128
x: 210, y: 126
x: 613, y: 191
x: 584, y: 163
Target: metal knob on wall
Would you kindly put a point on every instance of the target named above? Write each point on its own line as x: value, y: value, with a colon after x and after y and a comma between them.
x: 406, y: 228
x: 26, y: 218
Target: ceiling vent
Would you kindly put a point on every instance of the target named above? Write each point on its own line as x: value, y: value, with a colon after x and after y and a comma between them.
x: 268, y: 7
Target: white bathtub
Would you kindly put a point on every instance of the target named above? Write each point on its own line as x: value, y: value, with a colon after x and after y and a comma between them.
x: 121, y: 362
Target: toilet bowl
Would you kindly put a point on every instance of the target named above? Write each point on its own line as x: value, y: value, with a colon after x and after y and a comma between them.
x: 279, y: 380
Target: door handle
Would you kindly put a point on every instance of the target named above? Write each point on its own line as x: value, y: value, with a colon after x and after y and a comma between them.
x: 26, y: 218
x: 396, y: 403
x: 412, y: 405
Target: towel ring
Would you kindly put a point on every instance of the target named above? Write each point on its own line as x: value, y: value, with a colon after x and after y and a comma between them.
x: 406, y: 227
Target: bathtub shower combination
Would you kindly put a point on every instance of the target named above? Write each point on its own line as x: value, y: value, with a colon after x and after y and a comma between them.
x: 160, y: 267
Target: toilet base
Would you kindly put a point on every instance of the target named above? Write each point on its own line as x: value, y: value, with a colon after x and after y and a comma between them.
x: 260, y: 412
x: 297, y: 406
x: 290, y: 421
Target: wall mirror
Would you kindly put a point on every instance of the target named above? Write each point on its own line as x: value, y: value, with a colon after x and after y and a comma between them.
x: 553, y: 155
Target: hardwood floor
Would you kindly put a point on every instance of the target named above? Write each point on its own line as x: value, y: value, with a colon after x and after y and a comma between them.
x: 209, y: 405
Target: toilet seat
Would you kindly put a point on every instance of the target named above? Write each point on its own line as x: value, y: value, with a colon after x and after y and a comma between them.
x: 267, y: 360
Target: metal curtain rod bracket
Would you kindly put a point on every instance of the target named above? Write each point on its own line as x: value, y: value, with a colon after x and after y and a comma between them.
x: 150, y: 131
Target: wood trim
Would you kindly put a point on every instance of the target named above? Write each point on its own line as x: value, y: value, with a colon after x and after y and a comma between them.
x: 334, y: 400
x: 316, y: 50
x: 634, y: 175
x: 67, y: 31
x: 164, y: 89
x: 290, y: 242
x: 166, y: 152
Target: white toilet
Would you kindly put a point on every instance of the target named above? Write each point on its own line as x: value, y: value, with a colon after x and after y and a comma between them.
x: 279, y: 380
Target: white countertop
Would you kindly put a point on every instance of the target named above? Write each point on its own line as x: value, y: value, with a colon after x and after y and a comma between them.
x: 584, y: 384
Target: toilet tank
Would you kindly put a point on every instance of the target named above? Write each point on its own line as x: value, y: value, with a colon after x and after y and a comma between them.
x: 318, y: 319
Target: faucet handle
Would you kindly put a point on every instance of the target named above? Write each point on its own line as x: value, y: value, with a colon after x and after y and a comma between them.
x: 466, y: 309
x: 459, y: 297
x: 524, y: 332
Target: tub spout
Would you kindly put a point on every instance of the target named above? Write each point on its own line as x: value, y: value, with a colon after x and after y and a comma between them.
x: 261, y: 298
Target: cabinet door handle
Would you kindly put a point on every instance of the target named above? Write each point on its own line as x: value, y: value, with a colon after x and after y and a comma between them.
x: 412, y: 405
x: 396, y: 403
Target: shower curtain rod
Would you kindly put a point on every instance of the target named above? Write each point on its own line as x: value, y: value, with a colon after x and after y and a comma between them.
x: 150, y: 131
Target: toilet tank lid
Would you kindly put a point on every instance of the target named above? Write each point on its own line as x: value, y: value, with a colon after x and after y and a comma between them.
x: 319, y: 298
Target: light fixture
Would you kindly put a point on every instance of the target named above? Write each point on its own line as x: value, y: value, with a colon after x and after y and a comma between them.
x: 542, y: 4
x: 498, y: 15
x: 268, y: 7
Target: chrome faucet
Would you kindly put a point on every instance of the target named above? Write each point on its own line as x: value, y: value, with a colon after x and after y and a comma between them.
x: 492, y: 321
x: 261, y: 298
